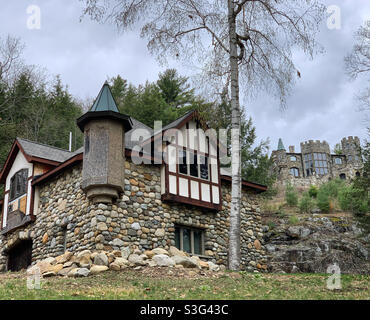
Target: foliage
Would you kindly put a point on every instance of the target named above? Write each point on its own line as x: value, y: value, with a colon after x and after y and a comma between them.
x: 291, y: 195
x: 293, y: 220
x: 360, y: 201
x: 32, y: 107
x: 306, y: 203
x: 338, y: 149
x: 312, y: 192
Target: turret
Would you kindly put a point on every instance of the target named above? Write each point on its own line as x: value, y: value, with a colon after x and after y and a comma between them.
x: 351, y: 149
x: 104, y: 149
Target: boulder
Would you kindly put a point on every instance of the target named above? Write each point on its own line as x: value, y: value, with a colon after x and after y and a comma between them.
x: 176, y: 252
x: 149, y: 254
x: 114, y: 266
x: 136, y: 259
x: 185, y: 261
x: 64, y: 257
x: 121, y: 261
x: 95, y: 269
x: 163, y: 260
x: 50, y: 260
x: 65, y: 271
x: 213, y: 266
x: 203, y: 264
x: 160, y: 251
x: 82, y: 272
x: 101, y: 259
x: 125, y: 252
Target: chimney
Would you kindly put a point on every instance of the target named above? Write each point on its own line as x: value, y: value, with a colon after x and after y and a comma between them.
x: 291, y: 149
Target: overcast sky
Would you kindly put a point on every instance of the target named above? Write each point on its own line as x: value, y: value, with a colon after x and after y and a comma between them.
x: 84, y: 54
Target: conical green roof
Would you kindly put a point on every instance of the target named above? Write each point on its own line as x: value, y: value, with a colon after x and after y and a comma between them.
x: 280, y: 145
x: 104, y: 101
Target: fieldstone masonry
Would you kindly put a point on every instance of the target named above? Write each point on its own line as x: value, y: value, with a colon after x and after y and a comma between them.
x: 66, y: 220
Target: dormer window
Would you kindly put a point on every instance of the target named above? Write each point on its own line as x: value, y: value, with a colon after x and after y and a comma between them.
x: 191, y: 170
x: 18, y: 184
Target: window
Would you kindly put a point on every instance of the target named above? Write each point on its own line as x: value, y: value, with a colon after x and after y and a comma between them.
x: 18, y: 184
x: 294, y: 172
x: 358, y: 174
x: 193, y: 164
x: 308, y: 164
x: 293, y: 158
x: 204, y: 167
x: 87, y: 141
x: 190, y: 240
x: 183, y: 166
x: 194, y: 167
x: 316, y: 162
x: 350, y: 158
x: 338, y: 160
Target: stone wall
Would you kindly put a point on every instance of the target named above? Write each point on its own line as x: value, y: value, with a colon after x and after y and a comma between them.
x: 139, y: 220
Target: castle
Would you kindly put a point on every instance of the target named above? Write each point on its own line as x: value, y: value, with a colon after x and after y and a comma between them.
x: 315, y: 163
x: 128, y: 186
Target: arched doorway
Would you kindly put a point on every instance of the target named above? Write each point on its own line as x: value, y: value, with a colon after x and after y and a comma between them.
x: 342, y: 176
x: 358, y: 174
x: 20, y: 256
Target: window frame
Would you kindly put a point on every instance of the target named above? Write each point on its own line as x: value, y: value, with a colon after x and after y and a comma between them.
x: 295, y: 170
x: 192, y: 244
x: 15, y: 184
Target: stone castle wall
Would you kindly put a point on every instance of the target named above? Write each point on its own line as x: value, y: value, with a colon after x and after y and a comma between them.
x: 139, y: 220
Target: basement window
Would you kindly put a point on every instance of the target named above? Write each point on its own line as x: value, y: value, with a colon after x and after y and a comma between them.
x: 190, y: 240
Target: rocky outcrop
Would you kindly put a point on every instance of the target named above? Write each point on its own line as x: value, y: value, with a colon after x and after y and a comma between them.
x: 314, y: 243
x: 88, y: 263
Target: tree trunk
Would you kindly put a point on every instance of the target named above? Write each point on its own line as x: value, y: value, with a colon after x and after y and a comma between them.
x: 234, y: 232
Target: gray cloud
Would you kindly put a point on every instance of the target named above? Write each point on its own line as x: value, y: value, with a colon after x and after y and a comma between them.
x: 321, y: 106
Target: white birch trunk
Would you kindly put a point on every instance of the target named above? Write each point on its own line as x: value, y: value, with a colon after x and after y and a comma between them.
x: 234, y: 232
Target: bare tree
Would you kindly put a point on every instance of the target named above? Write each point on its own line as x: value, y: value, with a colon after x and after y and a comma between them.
x: 11, y: 50
x: 244, y: 42
x: 357, y: 64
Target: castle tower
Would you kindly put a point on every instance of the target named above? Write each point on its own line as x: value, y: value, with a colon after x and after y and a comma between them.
x: 280, y: 159
x: 316, y: 158
x: 351, y: 149
x: 104, y: 150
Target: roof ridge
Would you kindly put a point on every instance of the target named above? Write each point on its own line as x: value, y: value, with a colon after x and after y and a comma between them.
x: 43, y: 144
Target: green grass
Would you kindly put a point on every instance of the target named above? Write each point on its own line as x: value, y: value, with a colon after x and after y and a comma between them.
x: 158, y: 285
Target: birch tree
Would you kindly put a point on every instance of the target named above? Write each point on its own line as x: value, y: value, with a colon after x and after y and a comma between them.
x: 357, y: 65
x: 244, y: 43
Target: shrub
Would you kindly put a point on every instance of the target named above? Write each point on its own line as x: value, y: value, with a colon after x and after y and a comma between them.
x: 351, y: 199
x: 306, y: 204
x: 291, y: 196
x: 293, y: 220
x: 323, y: 200
x: 313, y: 191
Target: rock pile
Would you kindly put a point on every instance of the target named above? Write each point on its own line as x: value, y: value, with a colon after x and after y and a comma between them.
x: 87, y: 263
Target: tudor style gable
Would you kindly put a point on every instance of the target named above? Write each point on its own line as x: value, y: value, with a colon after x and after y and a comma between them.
x: 26, y: 160
x: 191, y: 171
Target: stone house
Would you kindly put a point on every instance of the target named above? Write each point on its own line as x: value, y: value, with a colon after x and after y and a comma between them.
x: 315, y: 164
x: 129, y: 185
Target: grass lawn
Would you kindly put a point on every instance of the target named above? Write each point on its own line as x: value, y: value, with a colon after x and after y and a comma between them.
x: 158, y: 284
